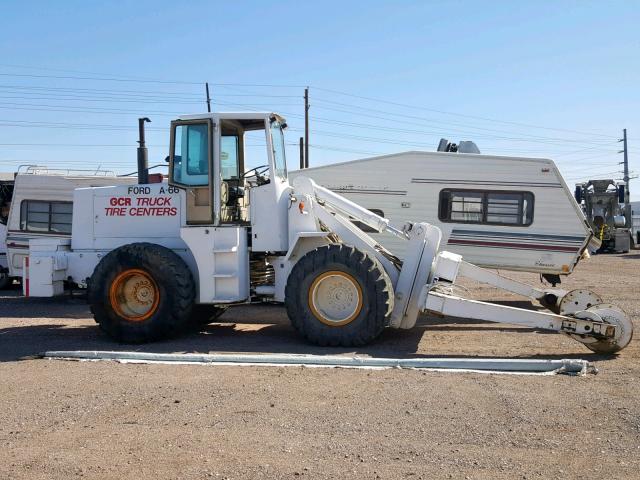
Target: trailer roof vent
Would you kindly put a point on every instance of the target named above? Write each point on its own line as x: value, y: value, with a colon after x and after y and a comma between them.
x: 464, y: 146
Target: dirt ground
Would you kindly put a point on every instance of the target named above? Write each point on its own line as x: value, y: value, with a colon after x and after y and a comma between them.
x: 61, y: 419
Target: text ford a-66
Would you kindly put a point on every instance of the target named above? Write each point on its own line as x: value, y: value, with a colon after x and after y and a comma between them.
x: 155, y: 257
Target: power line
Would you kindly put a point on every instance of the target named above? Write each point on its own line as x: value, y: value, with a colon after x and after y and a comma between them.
x: 59, y: 98
x: 111, y: 77
x: 109, y: 99
x: 476, y: 117
x: 154, y: 93
x: 533, y: 138
x: 59, y: 108
x: 397, y: 141
x: 133, y: 80
x: 338, y: 149
x: 76, y: 126
x: 74, y: 145
x: 104, y: 79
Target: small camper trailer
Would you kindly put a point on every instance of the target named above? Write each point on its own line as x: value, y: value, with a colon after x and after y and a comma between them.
x: 41, y: 206
x: 499, y: 212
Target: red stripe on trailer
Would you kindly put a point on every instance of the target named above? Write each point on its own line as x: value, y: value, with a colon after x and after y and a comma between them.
x: 522, y: 246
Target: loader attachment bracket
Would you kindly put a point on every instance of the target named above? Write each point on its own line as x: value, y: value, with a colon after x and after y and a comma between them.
x: 590, y: 325
x: 424, y: 241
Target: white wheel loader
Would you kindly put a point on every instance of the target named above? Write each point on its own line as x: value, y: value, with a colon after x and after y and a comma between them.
x: 155, y: 257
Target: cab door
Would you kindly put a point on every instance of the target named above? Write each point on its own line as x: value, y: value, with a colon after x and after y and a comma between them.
x: 191, y: 167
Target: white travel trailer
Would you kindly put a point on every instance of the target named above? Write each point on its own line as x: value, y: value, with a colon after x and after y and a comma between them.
x: 41, y: 207
x: 498, y: 212
x: 6, y: 192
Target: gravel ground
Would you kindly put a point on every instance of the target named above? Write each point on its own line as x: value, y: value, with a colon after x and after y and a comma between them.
x: 108, y: 420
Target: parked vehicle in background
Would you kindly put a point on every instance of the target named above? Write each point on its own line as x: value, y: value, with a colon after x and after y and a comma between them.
x: 601, y: 201
x: 635, y: 223
x: 39, y: 205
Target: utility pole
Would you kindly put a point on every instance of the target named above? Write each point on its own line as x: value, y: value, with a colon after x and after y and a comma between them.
x: 301, y: 153
x: 206, y: 85
x: 306, y: 127
x: 627, y: 203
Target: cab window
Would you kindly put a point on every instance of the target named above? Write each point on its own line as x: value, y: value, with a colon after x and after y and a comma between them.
x: 191, y: 154
x: 277, y: 141
x: 229, y: 157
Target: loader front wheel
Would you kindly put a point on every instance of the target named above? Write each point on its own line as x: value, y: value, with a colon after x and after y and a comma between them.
x: 141, y: 292
x: 340, y: 296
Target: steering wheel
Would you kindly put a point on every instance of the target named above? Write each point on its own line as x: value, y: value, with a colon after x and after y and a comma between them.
x: 258, y: 171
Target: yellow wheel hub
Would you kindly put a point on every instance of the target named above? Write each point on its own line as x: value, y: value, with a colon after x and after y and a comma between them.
x: 134, y: 295
x: 335, y: 298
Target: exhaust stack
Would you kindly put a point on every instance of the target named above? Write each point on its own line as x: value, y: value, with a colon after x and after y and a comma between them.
x: 143, y: 153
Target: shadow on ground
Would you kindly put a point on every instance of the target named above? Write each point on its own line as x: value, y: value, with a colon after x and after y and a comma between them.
x: 243, y: 329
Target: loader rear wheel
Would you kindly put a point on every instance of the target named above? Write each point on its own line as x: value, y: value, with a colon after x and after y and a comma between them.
x: 141, y: 292
x: 340, y: 296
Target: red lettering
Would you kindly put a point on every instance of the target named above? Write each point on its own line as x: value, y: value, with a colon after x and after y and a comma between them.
x: 150, y: 211
x: 153, y: 201
x: 120, y: 201
x: 115, y: 212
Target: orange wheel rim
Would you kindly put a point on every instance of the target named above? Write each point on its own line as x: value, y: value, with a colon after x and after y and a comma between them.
x: 134, y: 295
x: 335, y: 298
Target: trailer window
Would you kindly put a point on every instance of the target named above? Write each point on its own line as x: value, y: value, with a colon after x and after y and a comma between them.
x: 466, y: 206
x: 486, y: 207
x: 46, y: 217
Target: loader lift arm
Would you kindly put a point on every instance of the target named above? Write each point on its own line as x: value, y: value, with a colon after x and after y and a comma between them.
x: 425, y: 277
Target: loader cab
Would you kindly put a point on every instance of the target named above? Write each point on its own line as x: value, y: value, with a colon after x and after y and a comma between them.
x: 223, y: 159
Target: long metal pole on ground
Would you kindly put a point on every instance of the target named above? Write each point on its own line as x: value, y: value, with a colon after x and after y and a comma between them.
x: 495, y: 365
x: 306, y: 127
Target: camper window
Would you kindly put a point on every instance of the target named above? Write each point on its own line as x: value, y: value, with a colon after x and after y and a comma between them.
x: 486, y: 207
x: 45, y: 217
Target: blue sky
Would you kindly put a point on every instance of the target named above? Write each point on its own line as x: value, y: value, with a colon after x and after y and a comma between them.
x: 552, y: 79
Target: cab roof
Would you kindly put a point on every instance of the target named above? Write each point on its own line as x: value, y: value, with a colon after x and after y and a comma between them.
x: 216, y: 116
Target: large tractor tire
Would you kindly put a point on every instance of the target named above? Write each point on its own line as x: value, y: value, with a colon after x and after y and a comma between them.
x: 340, y: 296
x: 141, y: 292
